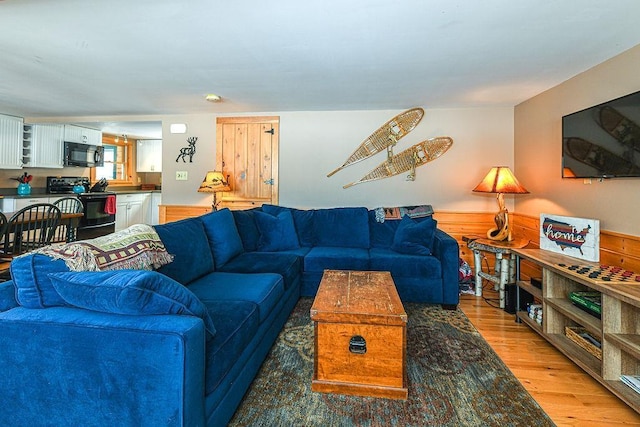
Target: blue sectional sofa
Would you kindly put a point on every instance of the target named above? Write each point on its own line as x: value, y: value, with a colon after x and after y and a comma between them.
x: 180, y: 345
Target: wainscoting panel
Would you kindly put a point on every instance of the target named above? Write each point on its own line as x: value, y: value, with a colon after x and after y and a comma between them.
x: 170, y: 213
x: 459, y: 224
x: 615, y: 248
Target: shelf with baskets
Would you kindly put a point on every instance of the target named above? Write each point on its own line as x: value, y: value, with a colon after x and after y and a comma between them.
x: 605, y: 344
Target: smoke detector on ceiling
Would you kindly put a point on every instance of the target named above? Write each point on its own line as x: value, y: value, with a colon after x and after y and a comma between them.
x: 212, y: 97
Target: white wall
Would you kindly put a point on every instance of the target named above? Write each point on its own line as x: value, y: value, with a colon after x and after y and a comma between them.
x: 314, y: 143
x: 538, y: 147
x: 175, y: 192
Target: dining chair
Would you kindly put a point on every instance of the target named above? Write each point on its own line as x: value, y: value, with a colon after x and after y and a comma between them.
x: 3, y: 224
x: 4, y: 265
x: 29, y: 228
x: 67, y: 228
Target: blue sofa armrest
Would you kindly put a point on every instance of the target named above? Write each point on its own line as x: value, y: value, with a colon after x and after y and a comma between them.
x: 7, y: 296
x: 446, y: 249
x: 68, y: 366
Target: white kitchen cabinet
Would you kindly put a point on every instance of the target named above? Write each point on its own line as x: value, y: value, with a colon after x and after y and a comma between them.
x: 131, y: 209
x: 20, y: 203
x: 45, y: 145
x: 82, y: 135
x: 149, y: 155
x: 11, y: 145
x: 13, y: 204
x: 154, y: 208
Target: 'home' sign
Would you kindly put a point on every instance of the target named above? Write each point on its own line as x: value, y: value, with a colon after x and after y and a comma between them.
x: 576, y: 237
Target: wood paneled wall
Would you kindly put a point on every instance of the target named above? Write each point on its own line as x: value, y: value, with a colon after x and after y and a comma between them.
x: 615, y: 248
x: 459, y: 224
x: 170, y: 213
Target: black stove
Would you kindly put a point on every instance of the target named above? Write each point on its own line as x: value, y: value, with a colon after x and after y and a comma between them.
x: 65, y: 184
x: 98, y: 207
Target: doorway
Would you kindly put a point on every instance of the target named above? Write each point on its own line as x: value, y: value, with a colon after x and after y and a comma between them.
x: 247, y: 151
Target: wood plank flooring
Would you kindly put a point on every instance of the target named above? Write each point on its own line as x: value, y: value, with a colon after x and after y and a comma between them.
x: 566, y: 393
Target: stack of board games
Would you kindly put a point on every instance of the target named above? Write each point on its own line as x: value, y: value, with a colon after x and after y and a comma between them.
x: 589, y: 301
x: 632, y: 381
x: 535, y: 312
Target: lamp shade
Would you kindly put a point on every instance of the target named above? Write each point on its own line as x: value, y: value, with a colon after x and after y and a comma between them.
x: 500, y: 179
x: 214, y: 182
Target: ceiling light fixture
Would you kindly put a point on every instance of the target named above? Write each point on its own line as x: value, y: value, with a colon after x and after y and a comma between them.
x: 212, y: 97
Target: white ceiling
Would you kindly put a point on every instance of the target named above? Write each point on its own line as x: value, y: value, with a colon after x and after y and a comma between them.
x: 150, y: 57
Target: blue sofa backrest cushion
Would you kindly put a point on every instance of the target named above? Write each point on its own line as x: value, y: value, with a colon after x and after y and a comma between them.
x: 381, y: 233
x: 342, y: 227
x: 302, y: 219
x: 247, y: 228
x: 413, y: 237
x: 277, y: 233
x: 34, y: 288
x: 187, y: 241
x: 129, y: 292
x: 224, y: 239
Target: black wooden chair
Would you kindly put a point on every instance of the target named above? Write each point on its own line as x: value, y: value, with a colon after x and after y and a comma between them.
x: 67, y: 228
x: 29, y: 228
x: 4, y: 265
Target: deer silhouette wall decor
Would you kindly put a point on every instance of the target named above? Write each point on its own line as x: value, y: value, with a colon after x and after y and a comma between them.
x: 188, y: 151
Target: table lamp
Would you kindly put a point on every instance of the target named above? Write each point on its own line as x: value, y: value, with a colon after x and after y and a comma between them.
x: 500, y: 180
x: 214, y: 182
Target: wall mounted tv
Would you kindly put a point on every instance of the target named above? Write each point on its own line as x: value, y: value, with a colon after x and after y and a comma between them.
x: 603, y: 141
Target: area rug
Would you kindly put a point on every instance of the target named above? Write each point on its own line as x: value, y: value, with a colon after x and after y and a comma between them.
x: 454, y: 379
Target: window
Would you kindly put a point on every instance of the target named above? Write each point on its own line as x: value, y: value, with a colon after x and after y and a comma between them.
x: 118, y: 161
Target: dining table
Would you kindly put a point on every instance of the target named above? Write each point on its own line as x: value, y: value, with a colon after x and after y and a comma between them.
x: 71, y: 220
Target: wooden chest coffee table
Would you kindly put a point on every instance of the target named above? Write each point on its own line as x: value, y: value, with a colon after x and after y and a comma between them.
x: 360, y: 335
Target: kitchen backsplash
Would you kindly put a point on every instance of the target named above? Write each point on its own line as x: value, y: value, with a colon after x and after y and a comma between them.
x: 40, y: 176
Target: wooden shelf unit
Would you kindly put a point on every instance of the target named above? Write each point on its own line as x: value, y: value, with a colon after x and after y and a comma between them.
x: 618, y: 330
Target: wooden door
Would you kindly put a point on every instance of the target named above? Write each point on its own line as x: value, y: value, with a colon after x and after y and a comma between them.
x: 247, y: 151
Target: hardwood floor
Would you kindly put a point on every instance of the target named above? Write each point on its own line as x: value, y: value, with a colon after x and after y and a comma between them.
x: 566, y: 393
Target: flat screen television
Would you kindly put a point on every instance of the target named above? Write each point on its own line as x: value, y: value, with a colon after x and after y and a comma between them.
x: 603, y: 141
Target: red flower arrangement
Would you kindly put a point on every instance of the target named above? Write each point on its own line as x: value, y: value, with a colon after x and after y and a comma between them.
x: 24, y: 179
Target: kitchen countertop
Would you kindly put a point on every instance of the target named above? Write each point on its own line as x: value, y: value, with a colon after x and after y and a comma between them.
x: 42, y: 192
x: 134, y: 191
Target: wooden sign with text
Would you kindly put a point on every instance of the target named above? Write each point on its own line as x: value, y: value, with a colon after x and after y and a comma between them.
x: 576, y: 237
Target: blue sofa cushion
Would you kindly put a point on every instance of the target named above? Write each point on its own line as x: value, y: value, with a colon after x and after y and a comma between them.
x: 224, y: 239
x: 302, y: 219
x: 414, y: 238
x: 277, y: 233
x: 289, y: 266
x: 382, y: 233
x: 402, y: 265
x: 129, y: 292
x: 322, y: 258
x: 7, y: 296
x: 247, y: 228
x: 342, y: 227
x: 33, y: 286
x: 187, y: 242
x: 264, y: 289
x: 236, y: 323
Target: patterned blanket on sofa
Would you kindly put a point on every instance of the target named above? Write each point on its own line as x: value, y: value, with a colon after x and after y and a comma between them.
x: 137, y: 247
x: 420, y: 211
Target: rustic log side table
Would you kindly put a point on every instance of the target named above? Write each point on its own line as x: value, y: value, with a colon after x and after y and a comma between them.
x: 505, y: 262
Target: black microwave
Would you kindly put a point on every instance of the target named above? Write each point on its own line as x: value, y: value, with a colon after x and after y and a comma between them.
x: 83, y: 155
